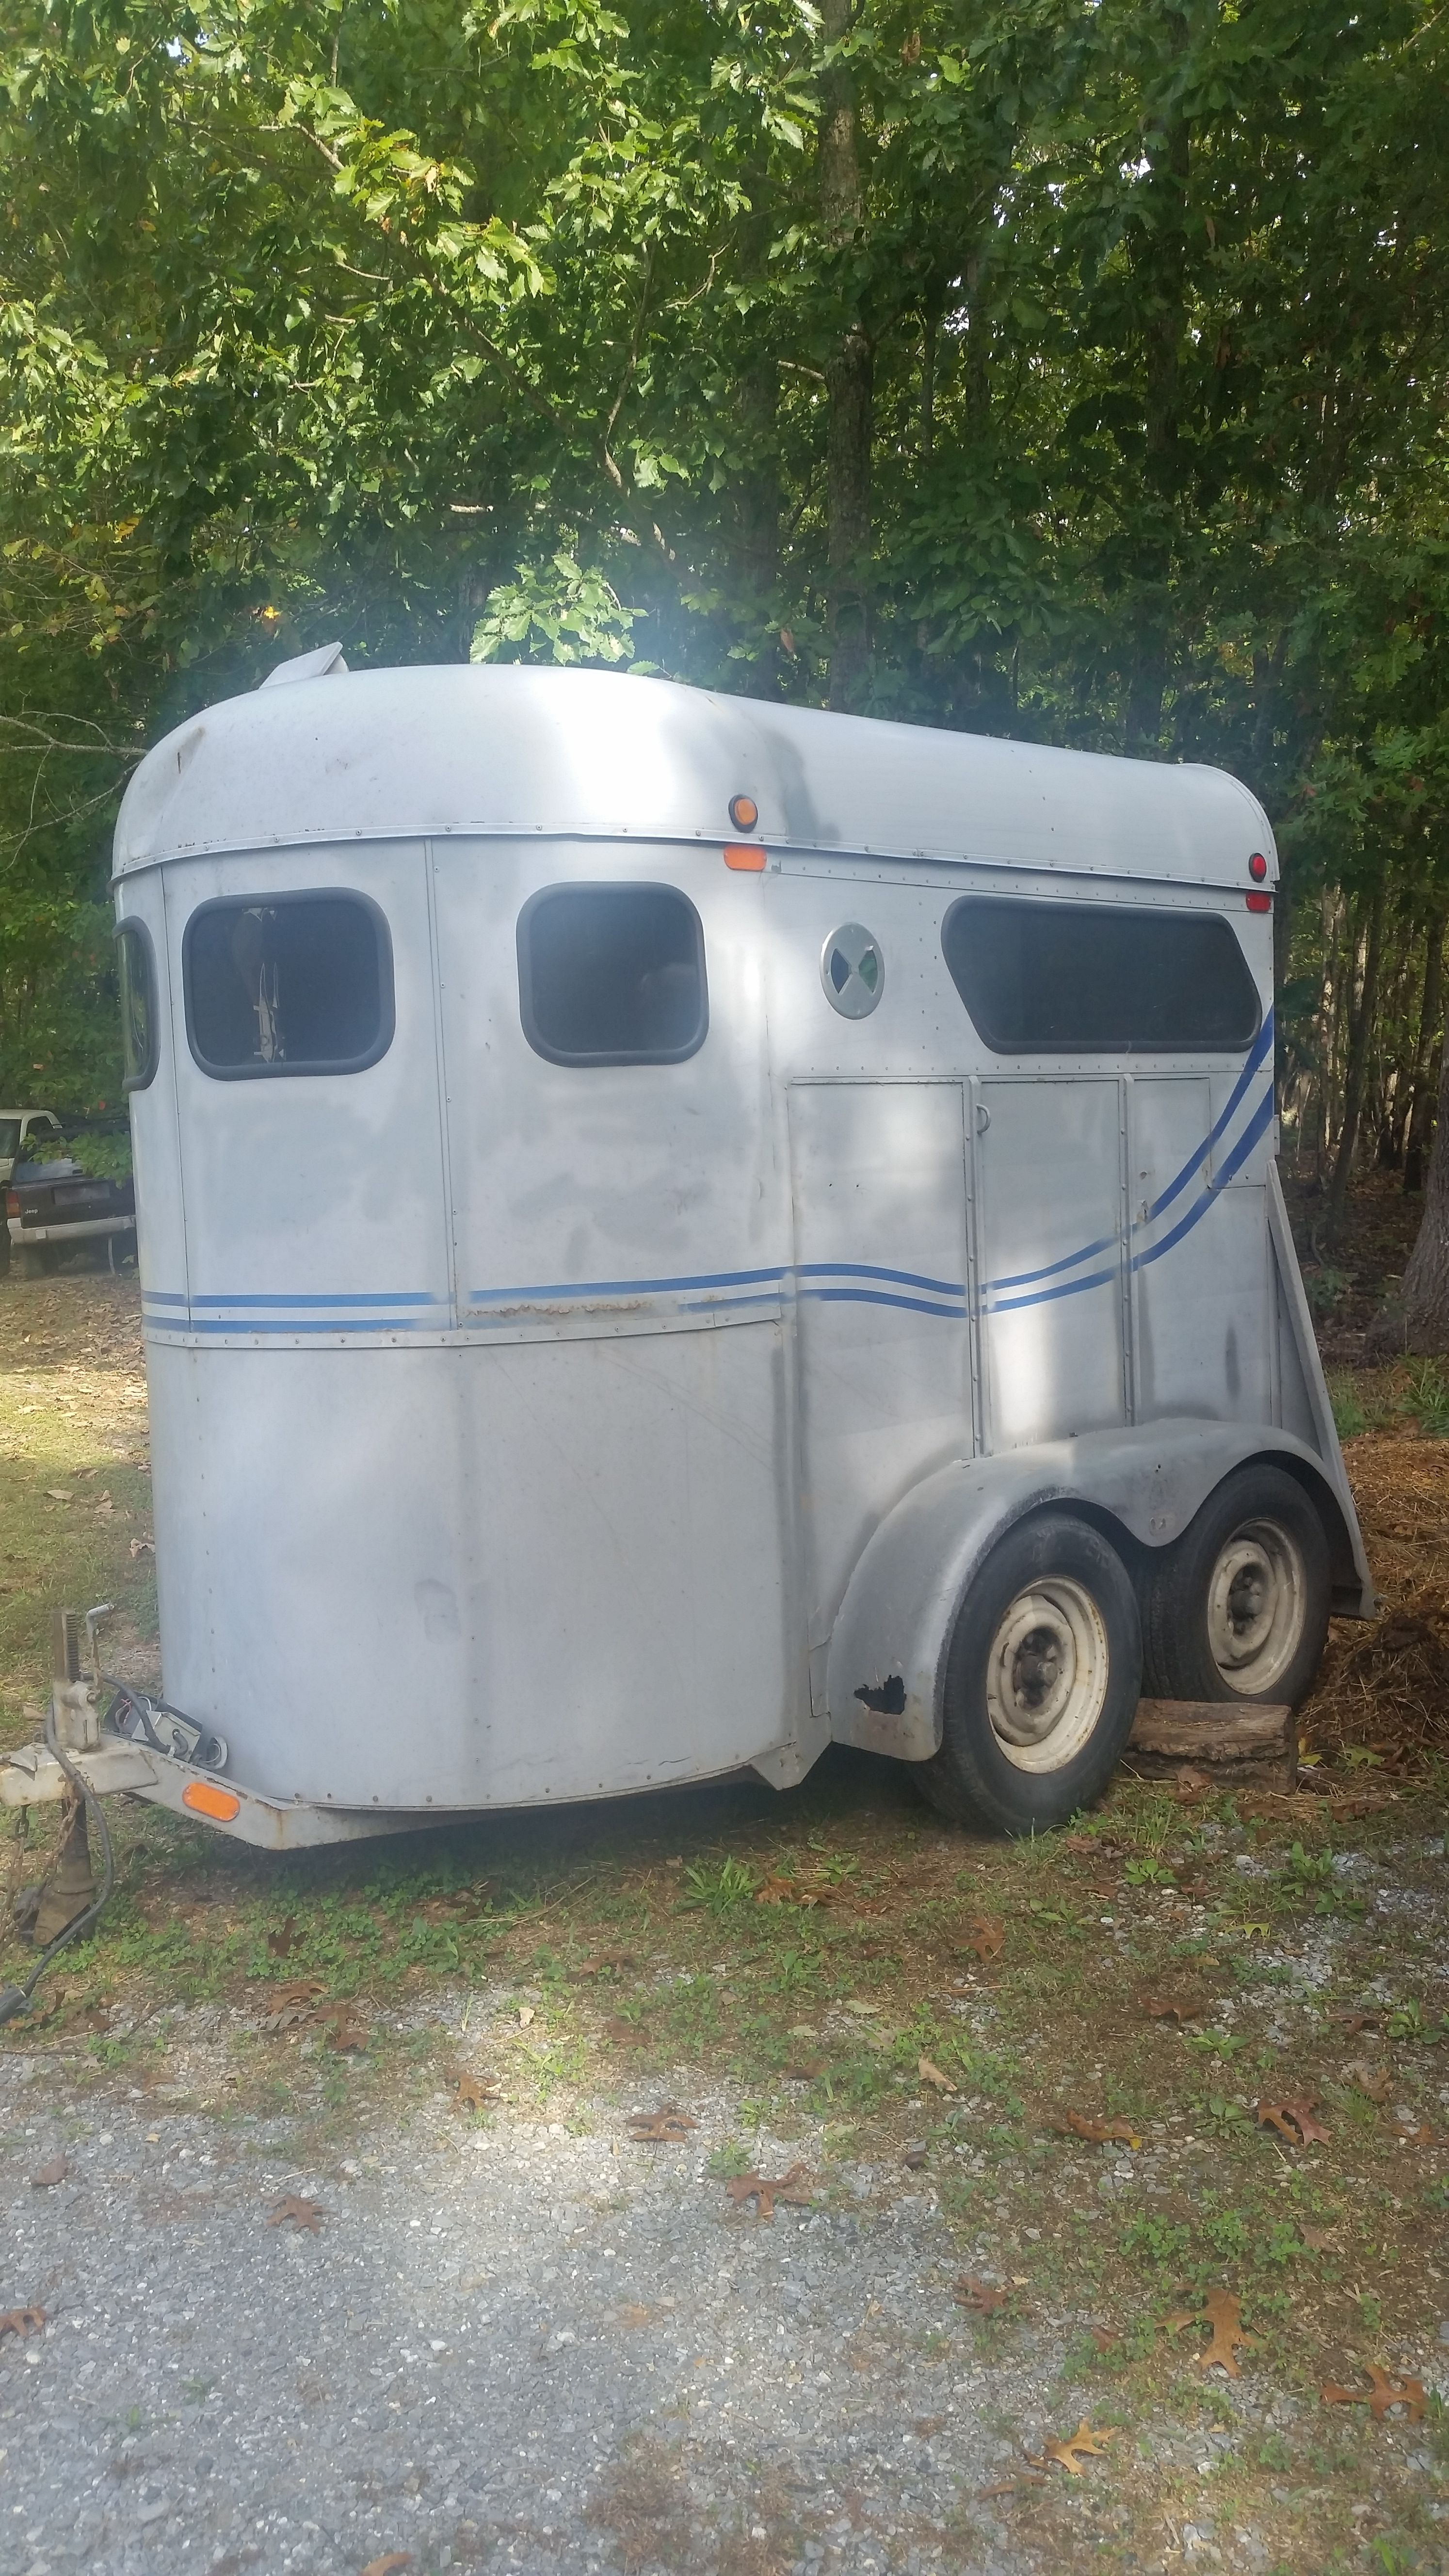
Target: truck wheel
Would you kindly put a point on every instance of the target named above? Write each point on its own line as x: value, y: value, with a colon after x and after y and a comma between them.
x: 1042, y: 1680
x: 1237, y: 1608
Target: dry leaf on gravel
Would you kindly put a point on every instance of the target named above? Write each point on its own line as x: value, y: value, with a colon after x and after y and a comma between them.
x: 790, y: 2190
x: 46, y: 2176
x: 604, y: 1963
x: 984, y: 1936
x: 21, y: 2321
x: 289, y: 2005
x: 983, y: 2298
x: 778, y: 1891
x: 1375, y: 2081
x: 1385, y: 2391
x: 1166, y: 2008
x: 856, y: 2004
x: 391, y: 2565
x: 525, y: 2015
x: 669, y: 2126
x: 53, y: 1494
x: 1223, y: 2311
x: 1099, y: 2133
x: 806, y: 2070
x: 1414, y: 2131
x: 142, y: 1547
x: 930, y: 2073
x: 1315, y: 2238
x: 1008, y: 2486
x: 1305, y: 2130
x: 347, y: 2036
x: 1081, y: 2446
x: 473, y: 2092
x: 635, y: 2316
x: 1352, y: 2022
x: 625, y: 2034
x: 1105, y: 2338
x: 300, y: 2214
x: 282, y: 1944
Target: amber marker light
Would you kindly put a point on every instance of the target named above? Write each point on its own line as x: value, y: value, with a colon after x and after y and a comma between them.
x: 223, y: 1805
x: 1260, y: 903
x: 744, y: 813
x: 749, y: 858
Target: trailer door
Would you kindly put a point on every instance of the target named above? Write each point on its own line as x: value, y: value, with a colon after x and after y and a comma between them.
x: 1050, y: 1178
x: 878, y: 1177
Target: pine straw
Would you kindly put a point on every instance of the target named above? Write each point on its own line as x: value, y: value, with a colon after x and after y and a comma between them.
x: 1384, y: 1688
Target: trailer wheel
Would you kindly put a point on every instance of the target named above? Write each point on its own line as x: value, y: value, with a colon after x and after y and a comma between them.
x: 1237, y: 1608
x: 1042, y: 1680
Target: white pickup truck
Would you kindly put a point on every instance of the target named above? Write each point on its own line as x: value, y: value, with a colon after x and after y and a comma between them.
x: 23, y: 1135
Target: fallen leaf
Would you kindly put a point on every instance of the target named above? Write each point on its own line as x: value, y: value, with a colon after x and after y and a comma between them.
x: 283, y: 1943
x: 300, y: 2214
x: 1165, y: 2008
x: 22, y: 2321
x: 983, y: 2298
x: 604, y: 1962
x: 930, y: 2073
x: 391, y: 2565
x: 347, y: 2036
x: 984, y: 1936
x: 1415, y: 2132
x: 53, y: 1494
x: 1375, y: 2081
x: 1105, y: 2338
x: 1385, y: 2391
x: 1008, y: 2486
x: 790, y: 2190
x: 525, y: 2015
x: 48, y: 2175
x: 142, y: 1547
x: 1315, y: 2238
x: 777, y: 1891
x: 1191, y: 1784
x: 1083, y: 2445
x: 289, y: 2005
x: 1223, y: 2311
x: 1076, y: 2124
x: 474, y: 2092
x: 668, y: 2125
x: 1353, y: 2022
x: 854, y: 2004
x: 1305, y: 2131
x: 625, y: 2034
x: 635, y: 2316
x: 806, y: 2070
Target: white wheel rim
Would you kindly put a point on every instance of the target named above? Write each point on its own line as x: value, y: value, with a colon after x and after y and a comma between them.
x: 1046, y: 1674
x: 1256, y: 1605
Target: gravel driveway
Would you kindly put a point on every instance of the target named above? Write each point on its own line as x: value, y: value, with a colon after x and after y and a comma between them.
x: 512, y: 2345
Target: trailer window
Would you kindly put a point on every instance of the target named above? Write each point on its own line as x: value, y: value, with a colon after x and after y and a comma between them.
x: 1099, y: 979
x: 287, y: 984
x: 137, y: 962
x: 612, y: 974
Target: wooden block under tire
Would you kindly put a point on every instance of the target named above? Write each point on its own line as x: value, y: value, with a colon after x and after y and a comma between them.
x: 1238, y: 1746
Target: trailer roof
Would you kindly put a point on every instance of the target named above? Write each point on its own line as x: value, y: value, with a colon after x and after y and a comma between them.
x: 459, y: 750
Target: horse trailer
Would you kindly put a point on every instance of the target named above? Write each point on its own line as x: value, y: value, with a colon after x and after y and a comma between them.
x: 675, y: 1230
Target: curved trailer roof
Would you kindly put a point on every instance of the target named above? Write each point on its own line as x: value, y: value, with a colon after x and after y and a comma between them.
x: 454, y: 749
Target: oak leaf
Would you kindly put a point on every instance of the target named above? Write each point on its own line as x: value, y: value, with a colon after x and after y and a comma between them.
x: 297, y: 2213
x: 474, y: 2092
x: 46, y: 2176
x: 779, y: 1891
x: 985, y: 1935
x: 1315, y: 2238
x: 1305, y: 2130
x: 1077, y: 2124
x: 604, y: 1963
x: 1166, y: 2008
x: 1081, y: 2446
x: 669, y: 2126
x: 1008, y: 2486
x: 930, y: 2073
x: 1375, y: 2081
x: 1223, y: 2311
x: 806, y: 2070
x: 625, y: 2034
x: 21, y: 2321
x: 983, y: 2298
x: 1386, y: 2389
x: 790, y: 2190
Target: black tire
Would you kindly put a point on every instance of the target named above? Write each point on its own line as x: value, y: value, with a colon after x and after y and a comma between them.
x: 1050, y: 1621
x: 1237, y: 1608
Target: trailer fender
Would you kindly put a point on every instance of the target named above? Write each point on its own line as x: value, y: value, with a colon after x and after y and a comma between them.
x: 886, y: 1663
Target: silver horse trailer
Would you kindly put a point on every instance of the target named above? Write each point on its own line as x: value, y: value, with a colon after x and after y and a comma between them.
x: 675, y: 1231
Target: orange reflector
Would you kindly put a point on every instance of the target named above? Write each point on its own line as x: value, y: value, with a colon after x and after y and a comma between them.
x: 204, y: 1800
x: 1260, y: 903
x: 744, y: 813
x: 744, y: 856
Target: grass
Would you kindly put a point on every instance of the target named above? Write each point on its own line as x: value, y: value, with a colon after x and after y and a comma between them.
x: 807, y: 1953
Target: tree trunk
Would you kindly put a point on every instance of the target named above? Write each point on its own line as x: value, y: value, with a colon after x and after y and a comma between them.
x: 1422, y: 1320
x: 850, y: 385
x: 1431, y: 1031
x: 1356, y: 1076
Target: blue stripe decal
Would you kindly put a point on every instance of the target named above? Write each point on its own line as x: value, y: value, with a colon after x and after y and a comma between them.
x: 620, y: 1287
x: 867, y: 1270
x: 363, y: 1297
x: 1024, y: 1278
x: 1262, y: 1047
x: 1252, y: 1134
x: 878, y: 1297
x: 302, y: 1324
x: 1044, y: 1296
x: 163, y: 1297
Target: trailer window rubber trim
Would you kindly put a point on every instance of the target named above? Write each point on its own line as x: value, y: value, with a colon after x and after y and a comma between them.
x: 130, y: 928
x: 386, y: 998
x: 583, y: 1059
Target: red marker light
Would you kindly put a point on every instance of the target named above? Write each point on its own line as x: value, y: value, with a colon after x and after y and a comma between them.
x: 1258, y: 866
x: 1260, y: 903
